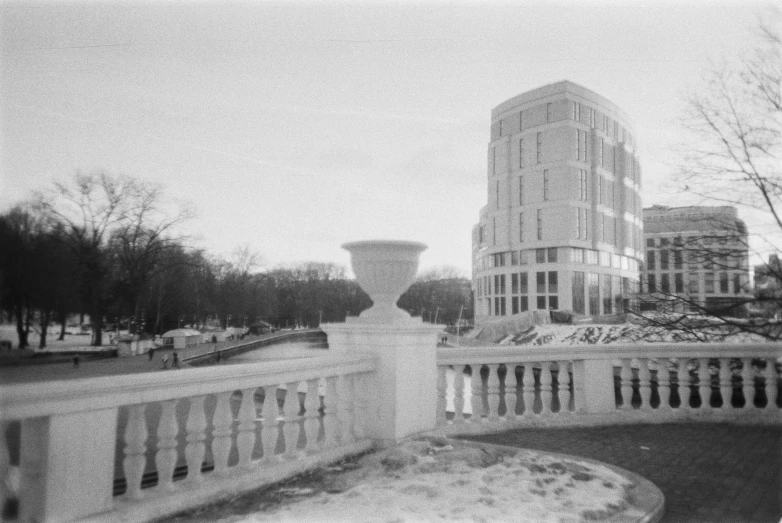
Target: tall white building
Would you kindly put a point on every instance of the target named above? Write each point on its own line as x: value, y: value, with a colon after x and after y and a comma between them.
x: 562, y: 228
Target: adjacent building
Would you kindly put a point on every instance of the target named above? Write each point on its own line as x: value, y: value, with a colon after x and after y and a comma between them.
x: 697, y: 260
x: 562, y: 228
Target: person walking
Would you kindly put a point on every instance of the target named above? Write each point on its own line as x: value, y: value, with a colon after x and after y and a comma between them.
x: 76, y: 362
x: 165, y: 361
x: 151, y: 354
x: 175, y: 360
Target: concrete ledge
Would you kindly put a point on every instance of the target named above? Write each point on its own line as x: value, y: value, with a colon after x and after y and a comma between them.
x: 156, y: 505
x: 647, y: 502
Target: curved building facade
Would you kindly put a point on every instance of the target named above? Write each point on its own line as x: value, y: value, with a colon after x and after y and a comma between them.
x: 562, y: 228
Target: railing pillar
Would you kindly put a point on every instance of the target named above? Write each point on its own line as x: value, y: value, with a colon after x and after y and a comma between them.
x: 405, y: 384
x: 594, y: 386
x: 67, y: 464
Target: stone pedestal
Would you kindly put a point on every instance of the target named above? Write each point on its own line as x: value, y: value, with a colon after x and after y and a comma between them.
x: 403, y: 393
x: 594, y: 381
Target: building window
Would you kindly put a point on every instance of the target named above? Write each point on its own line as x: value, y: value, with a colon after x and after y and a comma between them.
x: 541, y: 303
x: 494, y: 231
x: 521, y: 227
x: 664, y: 260
x: 481, y: 234
x: 577, y: 111
x: 591, y: 118
x: 540, y: 255
x: 514, y: 257
x: 539, y: 148
x: 552, y: 282
x: 540, y: 224
x: 545, y: 184
x: 708, y: 283
x: 521, y: 190
x: 549, y: 117
x: 602, y: 152
x: 523, y: 303
x: 679, y: 282
x: 724, y: 285
x: 602, y: 227
x: 582, y: 185
x: 665, y: 283
x: 552, y: 255
x: 593, y: 292
x: 693, y: 285
x: 521, y: 153
x: 650, y: 260
x: 498, y: 194
x: 604, y: 122
x: 578, y: 292
x: 652, y: 283
x: 493, y: 161
x: 605, y: 292
x: 514, y: 303
x: 677, y: 260
x: 521, y: 120
x: 650, y: 242
x: 514, y: 283
x: 502, y: 283
x: 541, y: 283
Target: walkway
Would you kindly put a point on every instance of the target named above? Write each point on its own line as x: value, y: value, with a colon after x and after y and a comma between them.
x: 709, y: 473
x: 114, y: 366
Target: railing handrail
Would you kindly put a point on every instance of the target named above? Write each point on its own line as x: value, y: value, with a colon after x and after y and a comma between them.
x: 59, y: 397
x: 516, y: 353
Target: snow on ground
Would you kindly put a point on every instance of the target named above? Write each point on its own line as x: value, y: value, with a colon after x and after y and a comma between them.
x: 602, y: 334
x: 433, y: 481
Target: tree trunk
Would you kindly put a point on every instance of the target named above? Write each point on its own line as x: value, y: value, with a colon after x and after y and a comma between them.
x: 44, y: 327
x: 63, y: 318
x: 20, y: 327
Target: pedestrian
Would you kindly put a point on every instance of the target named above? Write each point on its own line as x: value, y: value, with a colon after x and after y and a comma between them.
x: 151, y: 354
x: 175, y: 361
x: 76, y: 362
x: 165, y: 361
x: 214, y: 338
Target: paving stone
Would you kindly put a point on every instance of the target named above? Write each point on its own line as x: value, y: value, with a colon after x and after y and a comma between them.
x: 708, y: 472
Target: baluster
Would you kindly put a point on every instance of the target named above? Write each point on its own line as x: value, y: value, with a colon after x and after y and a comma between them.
x: 528, y: 390
x: 5, y: 465
x: 494, y: 393
x: 330, y: 420
x: 361, y: 407
x: 165, y: 458
x: 664, y: 384
x: 311, y: 420
x: 269, y: 412
x: 290, y: 428
x: 546, y: 390
x: 345, y: 410
x: 510, y: 392
x: 442, y: 402
x: 626, y: 384
x: 196, y: 436
x: 135, y: 450
x: 704, y: 383
x: 683, y: 378
x: 222, y: 422
x: 748, y: 383
x: 726, y: 383
x: 245, y: 437
x: 564, y: 388
x: 645, y: 383
x: 458, y: 393
x: 476, y: 399
x: 771, y: 383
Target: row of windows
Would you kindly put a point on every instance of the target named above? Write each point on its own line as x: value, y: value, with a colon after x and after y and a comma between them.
x: 712, y: 283
x: 695, y: 260
x: 557, y: 254
x: 547, y: 282
x: 519, y: 304
x: 540, y: 115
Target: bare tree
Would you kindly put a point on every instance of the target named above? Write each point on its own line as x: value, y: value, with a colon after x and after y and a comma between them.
x: 733, y: 158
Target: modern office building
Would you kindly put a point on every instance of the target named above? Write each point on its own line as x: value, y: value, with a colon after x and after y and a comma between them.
x: 562, y: 228
x: 697, y: 259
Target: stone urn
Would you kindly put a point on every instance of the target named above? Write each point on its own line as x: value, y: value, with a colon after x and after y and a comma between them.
x: 384, y: 269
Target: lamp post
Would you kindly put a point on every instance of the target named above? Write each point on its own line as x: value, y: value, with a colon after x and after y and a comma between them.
x: 436, y: 314
x: 181, y: 319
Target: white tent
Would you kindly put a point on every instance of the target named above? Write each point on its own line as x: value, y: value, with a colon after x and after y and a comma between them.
x: 181, y: 338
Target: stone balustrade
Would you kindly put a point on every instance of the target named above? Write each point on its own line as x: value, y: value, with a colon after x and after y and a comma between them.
x: 488, y: 389
x: 137, y: 447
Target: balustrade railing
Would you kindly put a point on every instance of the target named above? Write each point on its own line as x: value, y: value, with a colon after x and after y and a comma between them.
x: 488, y: 389
x: 177, y: 436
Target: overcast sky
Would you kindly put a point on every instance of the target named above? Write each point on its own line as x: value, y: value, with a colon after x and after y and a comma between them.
x: 294, y: 127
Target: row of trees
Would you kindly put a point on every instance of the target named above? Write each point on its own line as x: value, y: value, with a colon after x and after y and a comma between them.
x: 106, y: 247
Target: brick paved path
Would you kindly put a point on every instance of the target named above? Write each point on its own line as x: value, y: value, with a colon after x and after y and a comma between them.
x: 709, y: 473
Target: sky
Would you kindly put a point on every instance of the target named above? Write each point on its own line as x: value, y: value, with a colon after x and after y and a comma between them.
x: 294, y: 127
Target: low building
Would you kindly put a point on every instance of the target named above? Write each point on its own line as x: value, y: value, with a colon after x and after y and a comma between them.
x: 696, y: 260
x: 181, y: 338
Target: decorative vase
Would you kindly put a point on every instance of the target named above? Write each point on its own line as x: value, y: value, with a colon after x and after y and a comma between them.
x: 384, y: 269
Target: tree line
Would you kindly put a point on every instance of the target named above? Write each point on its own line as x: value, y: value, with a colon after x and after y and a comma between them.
x: 106, y: 247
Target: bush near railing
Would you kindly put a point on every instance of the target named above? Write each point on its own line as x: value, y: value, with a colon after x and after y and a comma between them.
x: 141, y: 446
x: 649, y: 383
